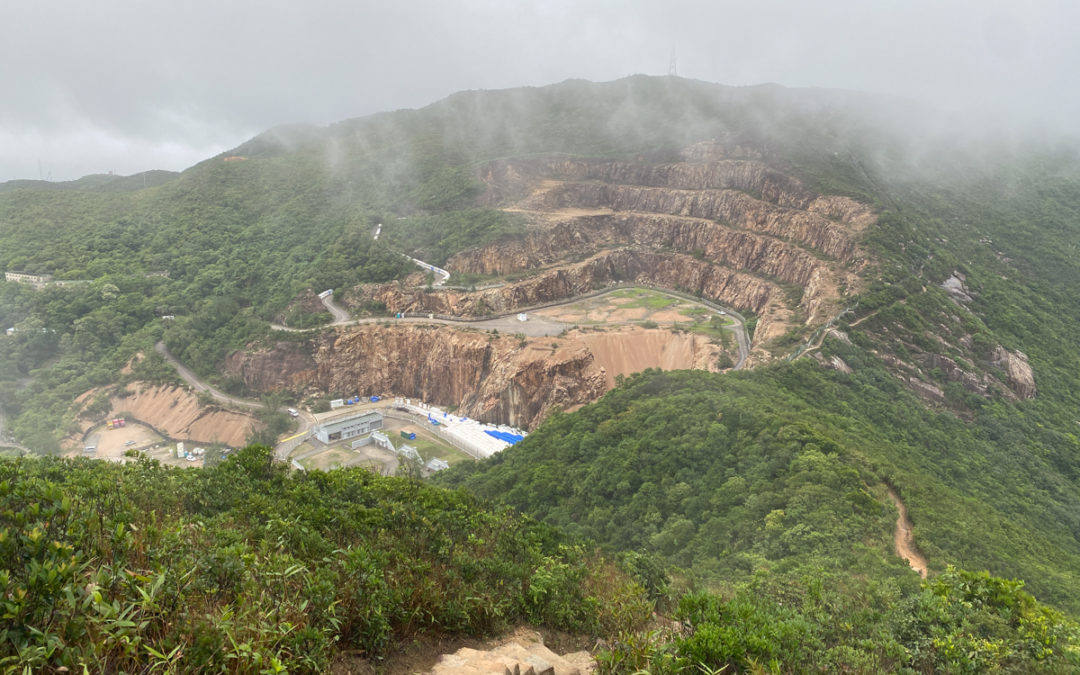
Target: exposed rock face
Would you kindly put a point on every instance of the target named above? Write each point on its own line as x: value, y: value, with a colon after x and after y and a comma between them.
x: 925, y: 361
x: 720, y: 224
x: 287, y: 365
x: 1021, y: 376
x: 751, y: 177
x: 500, y: 379
x: 928, y: 391
x: 722, y: 206
x: 738, y: 289
x: 728, y: 206
x: 954, y: 373
x: 736, y: 249
x: 666, y: 270
x: 954, y: 286
x: 837, y: 363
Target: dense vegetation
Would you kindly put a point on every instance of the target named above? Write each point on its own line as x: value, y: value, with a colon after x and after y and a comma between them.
x: 959, y: 622
x: 247, y: 568
x: 435, y: 238
x: 768, y: 487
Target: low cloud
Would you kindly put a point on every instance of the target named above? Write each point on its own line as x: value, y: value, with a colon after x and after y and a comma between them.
x: 134, y: 86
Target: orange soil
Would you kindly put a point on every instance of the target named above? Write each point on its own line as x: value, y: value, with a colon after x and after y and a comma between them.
x: 175, y: 411
x: 670, y: 316
x: 610, y: 310
x: 631, y: 351
x: 902, y: 539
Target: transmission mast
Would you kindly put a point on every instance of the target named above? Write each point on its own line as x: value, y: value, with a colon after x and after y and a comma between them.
x: 672, y: 70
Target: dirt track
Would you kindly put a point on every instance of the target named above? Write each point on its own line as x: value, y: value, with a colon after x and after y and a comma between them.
x: 905, y: 546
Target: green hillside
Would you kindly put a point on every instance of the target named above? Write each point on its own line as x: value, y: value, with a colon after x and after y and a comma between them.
x: 769, y: 487
x: 988, y: 480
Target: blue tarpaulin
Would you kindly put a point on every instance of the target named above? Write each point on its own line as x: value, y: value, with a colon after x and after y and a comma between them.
x: 504, y: 436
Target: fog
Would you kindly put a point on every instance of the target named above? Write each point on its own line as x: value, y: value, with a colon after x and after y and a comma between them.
x: 126, y: 87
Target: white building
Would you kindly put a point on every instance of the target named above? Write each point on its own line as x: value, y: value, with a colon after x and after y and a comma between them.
x: 333, y: 427
x: 437, y: 464
x: 25, y: 278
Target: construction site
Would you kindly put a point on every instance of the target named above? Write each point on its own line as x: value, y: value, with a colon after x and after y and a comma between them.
x: 381, y: 435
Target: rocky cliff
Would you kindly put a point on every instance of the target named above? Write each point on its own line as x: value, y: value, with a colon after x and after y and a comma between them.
x: 931, y: 361
x: 284, y: 365
x: 1019, y: 374
x: 736, y: 249
x: 666, y: 270
x: 498, y: 378
x: 508, y: 180
x: 719, y: 224
x: 728, y: 207
x: 724, y: 208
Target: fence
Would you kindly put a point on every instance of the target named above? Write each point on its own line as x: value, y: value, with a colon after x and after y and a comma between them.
x: 461, y: 444
x: 282, y: 450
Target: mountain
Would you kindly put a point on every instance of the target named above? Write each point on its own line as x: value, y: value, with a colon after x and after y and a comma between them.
x: 908, y: 282
x: 100, y: 181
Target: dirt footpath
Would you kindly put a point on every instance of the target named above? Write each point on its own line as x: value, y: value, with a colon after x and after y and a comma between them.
x: 902, y: 539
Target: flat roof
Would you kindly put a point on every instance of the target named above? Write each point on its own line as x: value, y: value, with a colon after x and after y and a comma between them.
x: 331, y: 422
x: 347, y: 412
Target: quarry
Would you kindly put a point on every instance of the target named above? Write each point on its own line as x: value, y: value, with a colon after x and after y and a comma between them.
x: 719, y: 227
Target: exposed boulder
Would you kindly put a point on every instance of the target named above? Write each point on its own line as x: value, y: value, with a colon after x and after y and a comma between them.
x: 954, y: 286
x: 512, y: 658
x: 930, y: 392
x: 1021, y: 377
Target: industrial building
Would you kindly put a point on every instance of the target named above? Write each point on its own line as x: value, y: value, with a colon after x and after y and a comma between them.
x: 26, y: 278
x: 340, y: 426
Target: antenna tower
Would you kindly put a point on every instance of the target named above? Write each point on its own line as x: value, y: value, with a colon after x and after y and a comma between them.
x: 671, y: 69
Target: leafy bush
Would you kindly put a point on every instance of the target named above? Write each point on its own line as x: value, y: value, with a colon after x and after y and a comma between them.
x: 244, y: 567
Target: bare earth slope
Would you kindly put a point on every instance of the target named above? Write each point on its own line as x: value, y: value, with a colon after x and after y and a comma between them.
x: 176, y: 412
x: 734, y: 231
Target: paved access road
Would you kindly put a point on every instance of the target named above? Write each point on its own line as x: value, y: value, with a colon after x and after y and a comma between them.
x: 537, y: 326
x: 341, y: 316
x: 441, y: 275
x: 508, y: 323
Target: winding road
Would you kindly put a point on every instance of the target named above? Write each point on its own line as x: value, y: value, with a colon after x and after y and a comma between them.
x: 341, y: 316
x: 306, y: 420
x: 535, y: 326
x: 508, y: 323
x: 441, y: 275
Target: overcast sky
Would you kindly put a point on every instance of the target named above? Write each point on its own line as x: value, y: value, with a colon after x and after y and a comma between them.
x: 131, y: 85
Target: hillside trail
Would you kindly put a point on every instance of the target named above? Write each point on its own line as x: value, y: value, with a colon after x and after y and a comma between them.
x: 902, y: 539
